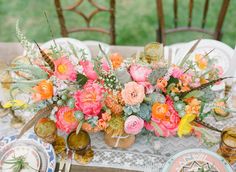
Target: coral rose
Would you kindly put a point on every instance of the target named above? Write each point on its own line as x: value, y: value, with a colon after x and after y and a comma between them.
x: 133, y: 93
x: 66, y: 120
x: 133, y: 125
x: 139, y: 73
x: 89, y: 99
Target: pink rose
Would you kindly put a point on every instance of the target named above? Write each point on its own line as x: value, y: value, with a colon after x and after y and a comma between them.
x: 139, y: 73
x: 89, y: 99
x: 149, y: 88
x: 133, y: 125
x: 177, y: 72
x: 88, y: 69
x: 133, y: 93
x: 66, y: 120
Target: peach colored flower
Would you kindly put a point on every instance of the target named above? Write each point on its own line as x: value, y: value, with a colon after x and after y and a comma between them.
x: 161, y: 84
x: 139, y: 73
x: 133, y: 125
x: 64, y: 69
x: 43, y: 91
x: 193, y: 106
x: 133, y: 93
x: 65, y: 119
x: 201, y: 61
x: 87, y: 127
x: 116, y: 60
x: 89, y: 99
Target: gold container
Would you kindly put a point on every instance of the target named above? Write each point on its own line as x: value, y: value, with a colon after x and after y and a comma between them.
x: 79, y: 142
x: 46, y: 129
x: 228, y: 144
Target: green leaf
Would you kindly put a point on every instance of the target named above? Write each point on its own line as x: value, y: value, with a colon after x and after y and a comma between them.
x: 156, y: 74
x: 173, y: 80
x: 81, y: 79
x: 157, y: 128
x: 195, y: 93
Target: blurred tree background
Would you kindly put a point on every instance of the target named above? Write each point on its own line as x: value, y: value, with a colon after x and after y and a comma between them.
x: 136, y: 20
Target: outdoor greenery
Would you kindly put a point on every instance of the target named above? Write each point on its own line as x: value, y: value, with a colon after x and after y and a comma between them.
x: 136, y: 20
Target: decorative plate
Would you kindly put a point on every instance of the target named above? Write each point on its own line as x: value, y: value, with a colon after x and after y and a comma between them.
x: 222, y: 53
x: 197, y: 160
x: 29, y: 153
x: 44, y: 150
x: 70, y: 45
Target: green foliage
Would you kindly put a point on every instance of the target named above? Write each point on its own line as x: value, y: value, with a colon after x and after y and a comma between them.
x: 145, y: 112
x: 156, y: 74
x: 195, y: 93
x: 123, y: 75
x: 81, y: 79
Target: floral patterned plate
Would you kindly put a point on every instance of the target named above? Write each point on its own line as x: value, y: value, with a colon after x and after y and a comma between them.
x: 44, y: 150
x: 197, y: 160
x: 30, y: 155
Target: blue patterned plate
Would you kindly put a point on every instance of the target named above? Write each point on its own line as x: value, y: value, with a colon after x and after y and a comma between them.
x: 45, y: 150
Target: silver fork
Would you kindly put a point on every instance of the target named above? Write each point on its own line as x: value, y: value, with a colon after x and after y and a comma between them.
x: 62, y: 161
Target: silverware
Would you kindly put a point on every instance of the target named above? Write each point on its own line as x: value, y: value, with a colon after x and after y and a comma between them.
x: 68, y: 161
x: 62, y: 161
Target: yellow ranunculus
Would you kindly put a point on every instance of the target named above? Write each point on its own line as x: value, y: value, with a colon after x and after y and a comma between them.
x: 15, y: 104
x: 184, y: 126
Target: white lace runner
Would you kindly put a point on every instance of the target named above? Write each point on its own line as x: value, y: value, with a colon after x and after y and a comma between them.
x: 141, y: 156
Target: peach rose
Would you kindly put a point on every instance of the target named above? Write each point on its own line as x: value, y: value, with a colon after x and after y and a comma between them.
x: 133, y: 93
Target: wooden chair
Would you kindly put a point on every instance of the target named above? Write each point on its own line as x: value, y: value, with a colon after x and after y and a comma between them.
x: 65, y: 31
x: 162, y: 31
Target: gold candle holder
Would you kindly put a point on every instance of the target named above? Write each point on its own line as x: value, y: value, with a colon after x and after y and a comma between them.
x: 227, y: 147
x: 46, y: 129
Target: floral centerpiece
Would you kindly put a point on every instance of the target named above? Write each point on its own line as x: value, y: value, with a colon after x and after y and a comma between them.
x: 121, y: 96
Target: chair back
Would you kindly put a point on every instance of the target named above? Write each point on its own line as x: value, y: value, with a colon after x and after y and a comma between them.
x: 88, y: 18
x: 216, y: 34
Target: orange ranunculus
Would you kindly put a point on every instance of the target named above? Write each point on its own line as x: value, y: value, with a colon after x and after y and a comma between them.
x: 162, y: 83
x: 159, y: 111
x: 116, y: 60
x: 43, y: 91
x: 87, y: 127
x: 193, y: 106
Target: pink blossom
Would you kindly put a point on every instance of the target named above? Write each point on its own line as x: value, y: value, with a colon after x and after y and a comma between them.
x: 65, y: 119
x: 166, y: 127
x: 177, y: 72
x: 133, y: 93
x: 89, y: 99
x: 64, y: 69
x: 105, y: 65
x: 133, y: 125
x: 149, y: 88
x: 219, y: 69
x: 88, y: 69
x: 139, y: 73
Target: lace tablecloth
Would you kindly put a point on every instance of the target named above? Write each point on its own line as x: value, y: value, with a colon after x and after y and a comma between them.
x: 142, y: 156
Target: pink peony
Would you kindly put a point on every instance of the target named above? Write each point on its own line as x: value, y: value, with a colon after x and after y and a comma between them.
x: 149, y: 88
x: 166, y: 128
x: 89, y: 99
x: 88, y: 69
x: 133, y: 93
x: 177, y: 72
x: 65, y: 119
x: 64, y: 69
x: 133, y: 125
x: 139, y: 73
